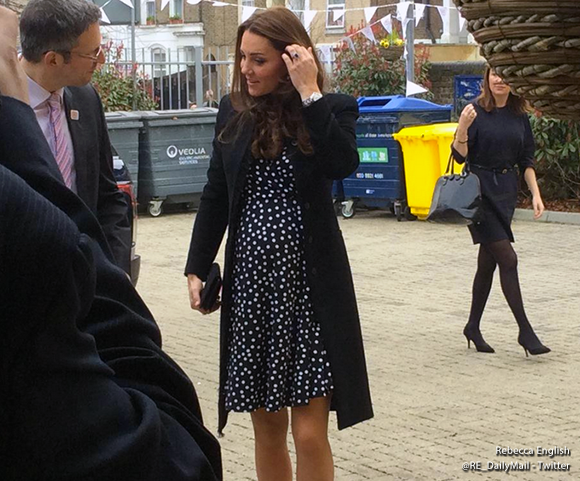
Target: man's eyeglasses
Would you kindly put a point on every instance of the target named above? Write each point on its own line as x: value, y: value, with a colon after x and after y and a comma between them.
x: 94, y: 58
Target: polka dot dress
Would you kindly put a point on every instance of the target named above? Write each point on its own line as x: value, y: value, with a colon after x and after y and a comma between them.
x: 276, y: 353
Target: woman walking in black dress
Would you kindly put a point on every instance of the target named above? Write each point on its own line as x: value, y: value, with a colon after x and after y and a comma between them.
x: 495, y: 135
x: 290, y: 331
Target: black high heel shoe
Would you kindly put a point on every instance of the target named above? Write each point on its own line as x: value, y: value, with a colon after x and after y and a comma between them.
x: 531, y: 344
x: 473, y: 335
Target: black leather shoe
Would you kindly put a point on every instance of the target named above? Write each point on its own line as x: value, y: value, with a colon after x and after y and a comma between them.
x: 531, y: 344
x: 474, y: 335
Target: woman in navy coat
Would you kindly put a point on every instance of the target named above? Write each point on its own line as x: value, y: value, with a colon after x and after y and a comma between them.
x: 290, y: 330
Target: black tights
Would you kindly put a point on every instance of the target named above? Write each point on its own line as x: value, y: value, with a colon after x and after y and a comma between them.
x: 502, y: 254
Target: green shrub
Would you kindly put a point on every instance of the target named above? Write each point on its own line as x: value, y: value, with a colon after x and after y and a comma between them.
x: 114, y: 82
x: 378, y: 69
x: 557, y: 157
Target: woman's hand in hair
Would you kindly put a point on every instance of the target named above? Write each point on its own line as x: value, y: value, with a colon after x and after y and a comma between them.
x: 302, y: 69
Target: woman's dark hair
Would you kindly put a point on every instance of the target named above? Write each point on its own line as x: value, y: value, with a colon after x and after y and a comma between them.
x: 277, y: 116
x: 486, y: 100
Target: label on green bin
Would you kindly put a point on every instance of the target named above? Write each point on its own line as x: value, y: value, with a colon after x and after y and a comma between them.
x: 375, y: 155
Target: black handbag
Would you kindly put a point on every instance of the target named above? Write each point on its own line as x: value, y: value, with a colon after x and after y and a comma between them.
x: 457, y: 197
x: 211, y: 289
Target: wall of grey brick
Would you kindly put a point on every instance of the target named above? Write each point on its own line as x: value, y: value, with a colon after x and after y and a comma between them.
x: 442, y: 75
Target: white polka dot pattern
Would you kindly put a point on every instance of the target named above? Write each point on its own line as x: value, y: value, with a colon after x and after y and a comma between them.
x: 276, y: 353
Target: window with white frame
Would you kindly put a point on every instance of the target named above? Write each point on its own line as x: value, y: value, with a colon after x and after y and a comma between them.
x: 176, y: 8
x: 298, y: 7
x: 150, y: 9
x: 158, y: 57
x: 333, y: 6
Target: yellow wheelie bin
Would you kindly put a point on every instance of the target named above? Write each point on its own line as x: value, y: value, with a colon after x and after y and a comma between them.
x: 426, y: 150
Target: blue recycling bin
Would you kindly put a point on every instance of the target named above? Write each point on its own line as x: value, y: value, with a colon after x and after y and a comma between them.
x: 466, y: 89
x: 380, y: 179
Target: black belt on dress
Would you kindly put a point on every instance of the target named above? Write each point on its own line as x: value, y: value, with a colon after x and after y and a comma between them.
x: 495, y: 170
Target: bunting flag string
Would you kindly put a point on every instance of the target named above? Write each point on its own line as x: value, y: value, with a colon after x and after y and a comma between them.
x: 402, y: 14
x: 401, y: 6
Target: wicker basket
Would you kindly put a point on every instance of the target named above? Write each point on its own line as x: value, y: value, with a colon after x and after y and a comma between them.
x: 535, y: 46
x: 394, y: 52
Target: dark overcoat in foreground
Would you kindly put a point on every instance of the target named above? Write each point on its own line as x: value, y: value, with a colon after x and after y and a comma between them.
x: 331, y: 123
x: 86, y: 391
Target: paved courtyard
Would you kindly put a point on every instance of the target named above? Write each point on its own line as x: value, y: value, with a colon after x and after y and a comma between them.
x: 437, y: 404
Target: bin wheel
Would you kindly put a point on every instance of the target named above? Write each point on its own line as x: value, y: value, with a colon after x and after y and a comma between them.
x: 398, y: 211
x: 337, y: 204
x: 408, y: 214
x: 348, y: 209
x: 155, y: 209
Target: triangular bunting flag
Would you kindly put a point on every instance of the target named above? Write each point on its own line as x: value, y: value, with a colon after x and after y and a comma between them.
x: 337, y: 14
x: 308, y: 17
x: 368, y: 33
x: 129, y: 3
x: 247, y: 12
x: 419, y: 12
x: 220, y: 4
x: 414, y: 89
x: 462, y: 22
x: 349, y: 42
x: 104, y: 17
x: 403, y: 11
x: 370, y: 13
x: 444, y: 12
x: 193, y: 2
x: 325, y: 50
x: 164, y: 4
x: 387, y: 23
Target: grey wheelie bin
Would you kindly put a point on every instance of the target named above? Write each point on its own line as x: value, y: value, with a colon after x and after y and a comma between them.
x: 174, y: 156
x: 125, y: 129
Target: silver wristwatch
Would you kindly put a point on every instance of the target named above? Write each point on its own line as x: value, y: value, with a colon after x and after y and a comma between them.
x: 310, y: 100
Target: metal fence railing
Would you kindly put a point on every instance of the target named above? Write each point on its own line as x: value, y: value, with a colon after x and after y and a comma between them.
x: 180, y: 79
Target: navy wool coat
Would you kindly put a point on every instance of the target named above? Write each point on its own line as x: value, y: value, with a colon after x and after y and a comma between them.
x: 331, y: 123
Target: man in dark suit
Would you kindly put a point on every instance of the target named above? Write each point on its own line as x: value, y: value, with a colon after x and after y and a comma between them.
x: 61, y: 48
x: 86, y: 391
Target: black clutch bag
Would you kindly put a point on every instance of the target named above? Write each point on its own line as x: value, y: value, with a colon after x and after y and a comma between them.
x: 211, y: 290
x: 457, y: 198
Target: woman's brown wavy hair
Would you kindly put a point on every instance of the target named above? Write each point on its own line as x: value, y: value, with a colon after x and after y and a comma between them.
x: 486, y: 100
x: 278, y: 115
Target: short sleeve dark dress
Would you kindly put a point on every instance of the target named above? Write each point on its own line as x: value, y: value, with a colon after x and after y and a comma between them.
x: 499, y: 142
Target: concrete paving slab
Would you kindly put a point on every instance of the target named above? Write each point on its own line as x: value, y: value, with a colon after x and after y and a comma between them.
x: 437, y: 404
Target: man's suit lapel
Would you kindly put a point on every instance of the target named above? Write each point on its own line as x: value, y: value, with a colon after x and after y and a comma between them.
x: 76, y: 133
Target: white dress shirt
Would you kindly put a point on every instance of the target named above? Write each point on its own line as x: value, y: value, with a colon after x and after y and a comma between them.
x: 39, y: 103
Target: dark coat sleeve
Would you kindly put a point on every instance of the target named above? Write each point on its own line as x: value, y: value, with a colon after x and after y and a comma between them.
x: 112, y: 208
x: 471, y: 144
x: 529, y: 148
x: 212, y: 216
x: 86, y: 392
x: 331, y: 123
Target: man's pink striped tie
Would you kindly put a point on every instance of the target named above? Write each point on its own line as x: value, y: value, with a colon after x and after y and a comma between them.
x: 61, y: 149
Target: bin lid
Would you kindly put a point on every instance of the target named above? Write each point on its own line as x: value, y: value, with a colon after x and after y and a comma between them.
x: 186, y: 113
x: 123, y: 116
x: 397, y: 103
x: 427, y: 132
